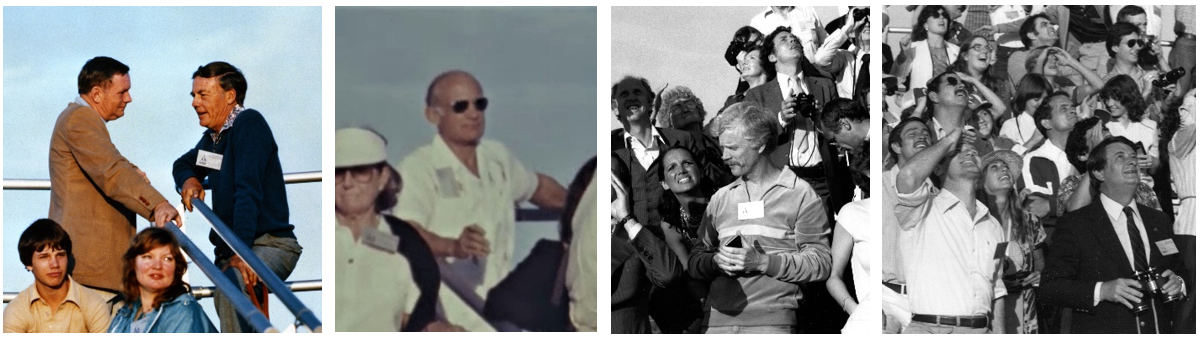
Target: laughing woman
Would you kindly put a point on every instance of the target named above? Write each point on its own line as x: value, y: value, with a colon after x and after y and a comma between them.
x: 157, y: 298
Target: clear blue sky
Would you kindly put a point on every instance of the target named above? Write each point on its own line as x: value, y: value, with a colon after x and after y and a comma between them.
x: 537, y: 66
x: 278, y: 49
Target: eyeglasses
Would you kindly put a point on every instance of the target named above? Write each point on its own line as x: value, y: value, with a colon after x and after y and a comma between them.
x: 982, y: 48
x: 952, y: 81
x: 362, y: 173
x: 936, y: 14
x: 1133, y: 42
x: 459, y: 107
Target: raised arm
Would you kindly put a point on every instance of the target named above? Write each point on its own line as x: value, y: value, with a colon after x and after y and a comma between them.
x: 999, y: 105
x: 915, y: 171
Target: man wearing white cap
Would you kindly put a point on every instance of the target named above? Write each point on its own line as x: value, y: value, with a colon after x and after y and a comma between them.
x: 462, y: 189
x: 389, y: 278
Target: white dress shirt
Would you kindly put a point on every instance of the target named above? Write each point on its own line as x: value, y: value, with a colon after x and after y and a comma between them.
x: 950, y: 256
x: 645, y: 153
x: 804, y: 151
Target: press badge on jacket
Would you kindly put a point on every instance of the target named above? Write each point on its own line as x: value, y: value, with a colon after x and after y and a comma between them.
x: 448, y: 186
x: 1167, y: 247
x: 208, y: 160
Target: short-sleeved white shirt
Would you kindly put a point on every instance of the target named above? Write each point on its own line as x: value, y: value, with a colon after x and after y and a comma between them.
x: 443, y: 196
x: 374, y: 286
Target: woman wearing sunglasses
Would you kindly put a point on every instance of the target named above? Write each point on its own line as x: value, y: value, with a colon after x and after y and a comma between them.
x: 929, y: 54
x: 377, y: 252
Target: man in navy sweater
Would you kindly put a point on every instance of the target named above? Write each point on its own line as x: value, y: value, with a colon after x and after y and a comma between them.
x: 239, y: 156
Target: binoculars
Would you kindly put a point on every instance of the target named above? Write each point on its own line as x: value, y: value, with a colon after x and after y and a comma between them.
x: 1151, y: 284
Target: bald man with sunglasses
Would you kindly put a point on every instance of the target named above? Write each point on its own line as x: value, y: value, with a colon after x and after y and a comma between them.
x: 460, y: 190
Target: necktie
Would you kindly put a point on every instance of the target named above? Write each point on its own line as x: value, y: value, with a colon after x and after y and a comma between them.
x: 1136, y: 241
x: 794, y: 85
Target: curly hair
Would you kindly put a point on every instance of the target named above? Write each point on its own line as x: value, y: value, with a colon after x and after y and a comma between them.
x: 673, y: 101
x: 1078, y: 142
x: 1125, y: 91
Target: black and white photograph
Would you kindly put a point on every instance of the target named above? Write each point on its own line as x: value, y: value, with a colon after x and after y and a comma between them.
x: 740, y: 170
x: 1039, y: 174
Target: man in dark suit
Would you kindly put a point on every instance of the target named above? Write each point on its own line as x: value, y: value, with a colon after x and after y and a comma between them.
x: 802, y: 147
x: 1097, y: 249
x: 640, y: 257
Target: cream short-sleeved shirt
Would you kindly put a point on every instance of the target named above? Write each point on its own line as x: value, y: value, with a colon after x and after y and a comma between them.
x: 444, y: 197
x: 375, y: 287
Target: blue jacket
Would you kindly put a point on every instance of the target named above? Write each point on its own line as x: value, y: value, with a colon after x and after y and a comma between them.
x: 181, y: 315
x: 248, y: 190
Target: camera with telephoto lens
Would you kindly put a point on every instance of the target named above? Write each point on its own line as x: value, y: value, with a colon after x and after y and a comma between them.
x: 806, y: 106
x: 1151, y: 284
x: 1166, y: 79
x: 859, y: 13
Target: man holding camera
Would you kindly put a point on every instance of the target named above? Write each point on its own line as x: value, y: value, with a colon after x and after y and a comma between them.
x: 1097, y: 251
x: 795, y: 96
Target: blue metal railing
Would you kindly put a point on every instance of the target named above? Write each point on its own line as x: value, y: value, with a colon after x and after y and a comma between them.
x: 276, y: 285
x: 257, y: 320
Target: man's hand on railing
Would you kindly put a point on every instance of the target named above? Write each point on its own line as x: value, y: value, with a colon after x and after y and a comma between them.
x: 248, y: 275
x: 191, y: 189
x: 164, y: 213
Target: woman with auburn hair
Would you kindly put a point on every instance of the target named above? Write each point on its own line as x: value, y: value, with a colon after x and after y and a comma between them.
x: 156, y: 297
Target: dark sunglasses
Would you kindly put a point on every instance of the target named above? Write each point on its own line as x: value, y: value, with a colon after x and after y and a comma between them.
x: 1133, y: 42
x: 481, y: 104
x: 952, y: 81
x: 361, y: 173
x: 936, y: 14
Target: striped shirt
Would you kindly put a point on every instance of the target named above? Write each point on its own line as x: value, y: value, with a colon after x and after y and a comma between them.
x: 793, y: 232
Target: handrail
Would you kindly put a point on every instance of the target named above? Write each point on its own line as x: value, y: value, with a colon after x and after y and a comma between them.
x: 277, y: 286
x: 44, y: 184
x: 907, y: 30
x: 459, y: 287
x: 295, y: 286
x: 257, y: 320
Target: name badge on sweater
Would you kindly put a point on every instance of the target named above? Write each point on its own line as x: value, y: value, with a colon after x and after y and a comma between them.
x: 378, y: 240
x: 1167, y: 247
x: 208, y: 160
x: 750, y: 210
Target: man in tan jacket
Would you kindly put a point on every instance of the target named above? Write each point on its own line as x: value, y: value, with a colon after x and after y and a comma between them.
x: 94, y: 190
